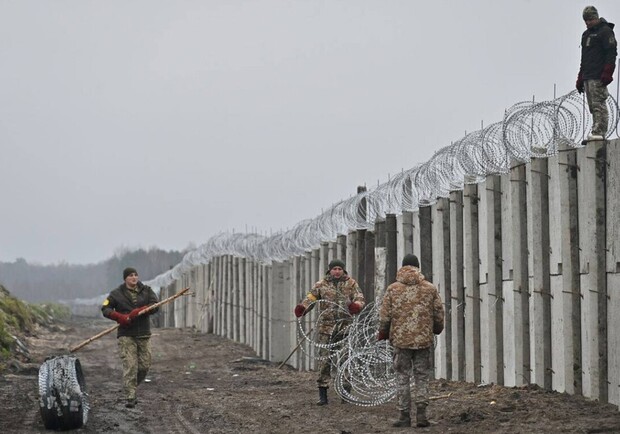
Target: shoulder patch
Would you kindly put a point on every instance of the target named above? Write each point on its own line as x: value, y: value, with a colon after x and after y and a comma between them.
x: 106, y: 302
x: 311, y: 297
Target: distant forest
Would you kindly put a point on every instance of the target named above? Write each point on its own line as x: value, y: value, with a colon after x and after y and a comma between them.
x: 51, y: 283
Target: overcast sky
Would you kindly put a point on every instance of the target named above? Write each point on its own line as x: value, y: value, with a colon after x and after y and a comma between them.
x: 145, y: 123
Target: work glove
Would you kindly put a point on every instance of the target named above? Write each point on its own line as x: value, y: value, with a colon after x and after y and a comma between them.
x: 300, y: 310
x: 355, y: 308
x: 437, y: 328
x: 121, y: 318
x: 579, y: 83
x: 608, y: 72
x: 134, y: 313
x: 382, y: 335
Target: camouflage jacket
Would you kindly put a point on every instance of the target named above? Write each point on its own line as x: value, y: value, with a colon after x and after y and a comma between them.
x: 411, y: 310
x: 343, y: 292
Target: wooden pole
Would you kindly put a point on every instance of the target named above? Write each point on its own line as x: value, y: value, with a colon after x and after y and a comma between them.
x: 294, y: 349
x: 143, y: 312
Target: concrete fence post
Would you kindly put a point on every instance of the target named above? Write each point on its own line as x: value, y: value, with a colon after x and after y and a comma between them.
x: 280, y: 316
x: 492, y: 303
x: 351, y: 254
x: 405, y: 236
x: 613, y: 269
x: 391, y: 244
x: 457, y: 285
x: 518, y: 308
x: 426, y: 231
x: 236, y: 300
x: 243, y: 301
x: 564, y: 272
x: 369, y: 266
x: 360, y: 260
x: 538, y: 265
x: 440, y: 272
x: 592, y: 239
x: 471, y: 264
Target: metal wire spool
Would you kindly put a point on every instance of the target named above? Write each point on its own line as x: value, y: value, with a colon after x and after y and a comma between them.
x: 365, y: 376
x: 362, y: 367
x: 63, y: 399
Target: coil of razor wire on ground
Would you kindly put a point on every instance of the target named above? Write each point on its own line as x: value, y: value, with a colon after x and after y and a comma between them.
x: 363, y: 373
x: 63, y: 401
x: 528, y: 129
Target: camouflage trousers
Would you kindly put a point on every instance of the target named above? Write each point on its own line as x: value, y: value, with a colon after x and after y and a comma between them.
x: 136, y: 358
x: 325, y: 364
x: 597, y: 94
x: 408, y: 362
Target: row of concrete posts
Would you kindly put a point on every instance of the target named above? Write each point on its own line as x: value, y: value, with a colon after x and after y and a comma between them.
x: 527, y: 264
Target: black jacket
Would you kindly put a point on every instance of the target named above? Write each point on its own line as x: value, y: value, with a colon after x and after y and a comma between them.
x: 598, y: 47
x: 120, y: 300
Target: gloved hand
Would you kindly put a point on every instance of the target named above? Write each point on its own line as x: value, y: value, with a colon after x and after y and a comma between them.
x: 579, y: 83
x: 134, y: 313
x: 608, y: 72
x: 355, y: 308
x: 300, y: 310
x: 381, y: 336
x: 121, y: 318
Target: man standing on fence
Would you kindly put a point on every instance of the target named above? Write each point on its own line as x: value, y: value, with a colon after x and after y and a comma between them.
x: 339, y: 296
x: 598, y: 62
x: 123, y: 305
x: 411, y: 312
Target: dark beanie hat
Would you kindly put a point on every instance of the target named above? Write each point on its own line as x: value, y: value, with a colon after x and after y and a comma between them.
x: 590, y: 13
x: 127, y: 271
x: 335, y: 263
x: 411, y: 260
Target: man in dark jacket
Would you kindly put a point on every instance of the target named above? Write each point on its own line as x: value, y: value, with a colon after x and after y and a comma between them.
x: 124, y: 305
x: 411, y: 313
x: 599, y: 49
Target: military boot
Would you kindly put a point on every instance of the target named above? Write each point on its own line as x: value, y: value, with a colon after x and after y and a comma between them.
x: 141, y: 376
x: 420, y: 416
x: 322, y: 396
x: 404, y: 420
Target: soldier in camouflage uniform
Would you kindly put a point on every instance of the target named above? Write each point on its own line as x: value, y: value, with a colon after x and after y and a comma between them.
x: 346, y: 299
x: 411, y: 312
x: 124, y: 305
x: 599, y: 49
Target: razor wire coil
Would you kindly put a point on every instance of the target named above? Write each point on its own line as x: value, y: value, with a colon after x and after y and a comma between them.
x: 528, y: 129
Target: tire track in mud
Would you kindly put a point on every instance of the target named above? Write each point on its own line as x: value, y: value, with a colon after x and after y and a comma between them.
x: 184, y: 422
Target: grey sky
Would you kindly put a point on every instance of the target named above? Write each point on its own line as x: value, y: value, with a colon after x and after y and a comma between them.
x: 159, y: 123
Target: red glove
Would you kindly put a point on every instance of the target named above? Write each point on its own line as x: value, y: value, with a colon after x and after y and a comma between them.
x: 134, y: 313
x: 121, y: 318
x: 355, y: 308
x: 300, y: 310
x: 608, y: 72
x: 381, y: 336
x: 579, y: 83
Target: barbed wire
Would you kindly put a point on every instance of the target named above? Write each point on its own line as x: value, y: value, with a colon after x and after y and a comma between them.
x: 361, y: 366
x: 529, y: 129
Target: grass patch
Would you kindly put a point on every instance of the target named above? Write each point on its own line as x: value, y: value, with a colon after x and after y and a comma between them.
x: 20, y: 318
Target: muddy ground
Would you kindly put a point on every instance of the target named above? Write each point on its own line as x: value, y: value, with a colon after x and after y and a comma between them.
x: 203, y: 383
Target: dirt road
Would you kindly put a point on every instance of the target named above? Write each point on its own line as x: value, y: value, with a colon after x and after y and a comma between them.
x: 206, y: 384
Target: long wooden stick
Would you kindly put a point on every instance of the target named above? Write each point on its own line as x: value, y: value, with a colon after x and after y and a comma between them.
x: 295, y: 349
x: 433, y: 398
x: 143, y: 312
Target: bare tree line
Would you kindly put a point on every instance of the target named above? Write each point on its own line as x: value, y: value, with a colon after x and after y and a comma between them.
x: 51, y: 283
